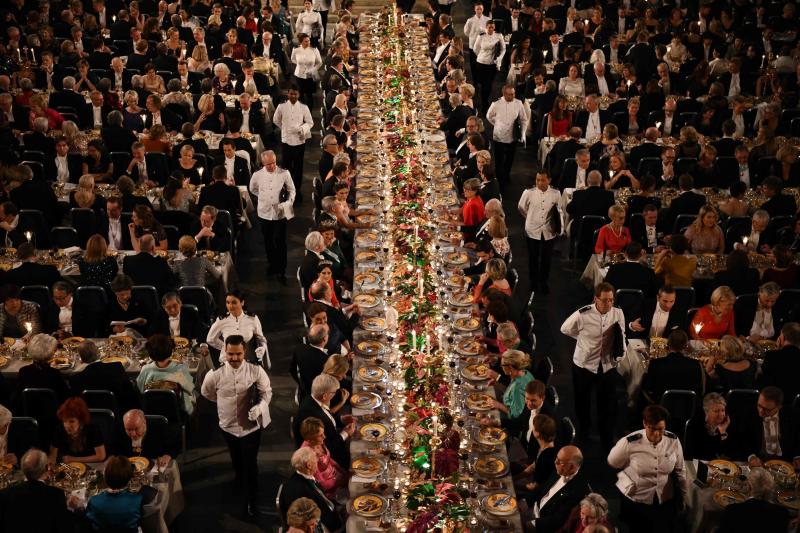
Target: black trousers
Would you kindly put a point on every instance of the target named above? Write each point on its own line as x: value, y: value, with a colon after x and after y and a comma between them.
x: 274, y: 232
x: 503, y: 159
x: 244, y: 455
x: 307, y: 89
x: 484, y: 78
x: 324, y: 16
x: 654, y: 517
x: 539, y: 256
x: 292, y: 160
x: 605, y: 387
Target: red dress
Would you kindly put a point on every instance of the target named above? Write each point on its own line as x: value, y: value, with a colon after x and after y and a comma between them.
x: 608, y: 241
x: 472, y: 212
x: 711, y: 329
x: 559, y: 127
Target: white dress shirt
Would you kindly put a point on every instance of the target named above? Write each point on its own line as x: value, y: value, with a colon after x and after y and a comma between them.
x: 485, y: 46
x: 248, y: 326
x: 441, y: 49
x: 667, y: 126
x: 97, y: 116
x: 62, y: 169
x: 772, y: 435
x: 118, y: 80
x: 245, y: 122
x: 602, y: 86
x: 307, y: 61
x: 535, y: 206
x: 230, y: 165
x: 557, y: 486
x: 267, y: 186
x: 593, y: 126
x: 65, y: 316
x: 592, y: 331
x: 474, y: 26
x: 744, y: 174
x: 12, y: 226
x: 230, y: 389
x: 156, y: 118
x: 502, y: 114
x: 659, y: 323
x: 762, y: 323
x: 114, y: 233
x: 647, y: 468
x: 175, y: 325
x: 652, y: 236
x: 735, y: 87
x: 613, y: 55
x: 739, y: 121
x: 294, y: 121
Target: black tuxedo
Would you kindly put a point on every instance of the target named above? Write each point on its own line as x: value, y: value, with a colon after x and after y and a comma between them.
x: 158, y: 440
x: 592, y: 85
x: 68, y: 98
x: 675, y: 371
x: 74, y: 167
x: 117, y: 138
x: 675, y: 320
x: 255, y: 120
x: 148, y: 269
x: 99, y: 60
x: 107, y: 376
x: 519, y: 426
x: 646, y: 149
x: 744, y: 316
x: 752, y: 435
x: 338, y: 319
x: 633, y: 275
x: 621, y: 51
x: 40, y: 142
x: 686, y: 203
x: 582, y: 119
x: 658, y: 116
x: 87, y: 116
x: 550, y: 56
x: 31, y: 273
x: 34, y: 506
x: 562, y: 151
x: 639, y: 233
x: 779, y: 205
x: 746, y: 83
x: 340, y: 452
x: 189, y: 325
x: 193, y: 80
x: 753, y: 515
x: 297, y: 487
x: 781, y: 368
x: 137, y: 62
x: 275, y: 52
x: 102, y: 229
x: 590, y: 201
x: 221, y: 242
x: 643, y: 57
x: 36, y: 194
x: 556, y: 510
x: 241, y: 172
x: 307, y: 363
x: 738, y: 231
x: 164, y: 62
x: 222, y: 196
x: 171, y: 121
x: 726, y: 146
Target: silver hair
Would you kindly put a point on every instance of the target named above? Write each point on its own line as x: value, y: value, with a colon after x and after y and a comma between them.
x: 41, y: 347
x: 713, y: 398
x: 34, y: 464
x: 327, y: 203
x: 314, y: 241
x: 221, y: 67
x: 323, y: 384
x: 329, y: 139
x: 301, y: 457
x: 5, y: 416
x: 594, y: 177
x: 507, y: 331
x: 770, y: 289
x: 317, y: 333
x: 761, y: 215
x: 762, y: 484
x: 68, y: 83
x: 134, y: 413
x: 115, y: 118
x: 596, y: 502
x: 41, y: 124
x: 495, y: 207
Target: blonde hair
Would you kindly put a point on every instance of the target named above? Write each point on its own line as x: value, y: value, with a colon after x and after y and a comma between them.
x: 156, y: 132
x: 723, y: 293
x: 336, y: 364
x: 484, y: 154
x: 84, y: 196
x: 616, y: 209
x: 200, y: 54
x: 698, y: 222
x: 497, y: 227
x: 187, y: 246
x: 204, y: 101
x: 496, y: 269
x: 96, y: 248
x: 301, y: 512
x: 688, y: 134
x: 516, y: 359
x: 133, y: 96
x: 731, y: 348
x: 468, y: 88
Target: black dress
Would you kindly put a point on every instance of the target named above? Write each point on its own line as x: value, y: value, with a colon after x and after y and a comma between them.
x: 91, y: 438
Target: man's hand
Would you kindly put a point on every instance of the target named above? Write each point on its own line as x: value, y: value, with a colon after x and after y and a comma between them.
x: 163, y: 461
x: 204, y: 232
x: 252, y: 414
x: 636, y: 325
x: 754, y: 462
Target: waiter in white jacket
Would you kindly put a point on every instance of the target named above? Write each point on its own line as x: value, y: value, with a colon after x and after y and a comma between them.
x: 294, y: 120
x: 242, y: 392
x: 599, y: 329
x: 540, y: 207
x: 653, y: 479
x: 503, y: 114
x: 489, y: 49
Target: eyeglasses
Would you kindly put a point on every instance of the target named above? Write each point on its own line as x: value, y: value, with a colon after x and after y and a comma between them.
x: 559, y: 462
x: 767, y: 410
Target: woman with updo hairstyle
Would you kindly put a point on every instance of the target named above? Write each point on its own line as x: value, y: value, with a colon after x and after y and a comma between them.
x: 498, y: 231
x: 176, y: 196
x: 85, y: 197
x: 303, y: 516
x: 590, y: 513
x: 730, y: 368
x: 514, y: 364
x: 494, y: 277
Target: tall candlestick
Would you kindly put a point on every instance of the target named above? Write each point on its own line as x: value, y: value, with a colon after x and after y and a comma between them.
x: 421, y: 284
x: 413, y: 339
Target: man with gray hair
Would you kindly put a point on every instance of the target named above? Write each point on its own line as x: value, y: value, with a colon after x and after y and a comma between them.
x: 754, y: 237
x: 145, y: 268
x: 330, y: 147
x: 114, y: 135
x: 33, y: 505
x: 760, y: 319
x: 98, y: 375
x: 302, y: 484
x: 159, y: 441
x: 756, y: 513
x: 338, y: 429
x: 275, y: 190
x: 781, y: 367
x: 492, y: 208
x: 309, y: 358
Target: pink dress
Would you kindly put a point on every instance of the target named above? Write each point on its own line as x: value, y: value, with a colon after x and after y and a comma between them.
x: 330, y: 475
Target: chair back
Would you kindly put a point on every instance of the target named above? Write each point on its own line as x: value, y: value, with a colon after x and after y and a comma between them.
x: 681, y: 405
x: 585, y: 241
x: 33, y: 220
x: 105, y: 421
x: 649, y: 165
x: 64, y: 237
x: 162, y: 402
x: 26, y: 432
x: 36, y: 167
x: 84, y: 222
x: 551, y: 396
x: 684, y: 297
x: 566, y: 432
x: 120, y: 160
x: 147, y: 296
x: 683, y: 221
x: 38, y: 294
x: 201, y: 298
x: 41, y: 404
x: 89, y: 311
x: 544, y: 369
x: 173, y: 235
x: 101, y: 399
x: 631, y: 301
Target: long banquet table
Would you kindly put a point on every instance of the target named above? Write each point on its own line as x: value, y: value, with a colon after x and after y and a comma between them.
x: 416, y: 455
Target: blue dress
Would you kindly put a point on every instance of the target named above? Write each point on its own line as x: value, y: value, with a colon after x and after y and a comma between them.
x: 115, y: 510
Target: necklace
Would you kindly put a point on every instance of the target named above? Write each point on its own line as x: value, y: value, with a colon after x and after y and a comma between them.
x: 619, y: 235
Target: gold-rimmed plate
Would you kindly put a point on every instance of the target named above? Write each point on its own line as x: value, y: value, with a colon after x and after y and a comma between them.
x: 181, y: 342
x: 725, y: 468
x: 372, y: 373
x: 789, y: 500
x: 125, y: 340
x: 479, y: 401
x: 140, y: 464
x: 9, y: 341
x: 780, y: 467
x: 76, y: 467
x: 726, y: 497
x: 476, y: 372
x: 468, y: 347
x: 72, y: 341
x: 373, y: 323
x: 461, y: 299
x: 61, y: 363
x: 491, y: 466
x: 455, y: 280
x: 365, y: 400
x: 456, y: 258
x: 370, y: 348
x: 369, y: 505
x: 366, y: 300
x: 492, y: 436
x: 499, y: 503
x: 366, y: 238
x: 467, y: 324
x: 366, y: 256
x: 366, y: 278
x: 367, y: 466
x: 3, y: 361
x: 367, y: 218
x: 373, y: 431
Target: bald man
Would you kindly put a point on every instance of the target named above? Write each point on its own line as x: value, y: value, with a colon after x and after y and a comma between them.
x: 555, y: 499
x: 145, y: 268
x: 33, y: 505
x: 155, y: 441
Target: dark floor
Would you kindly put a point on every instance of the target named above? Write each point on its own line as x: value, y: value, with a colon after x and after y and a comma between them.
x: 206, y: 473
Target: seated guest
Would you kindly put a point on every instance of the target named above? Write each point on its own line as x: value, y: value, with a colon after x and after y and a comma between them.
x: 160, y: 442
x: 542, y: 462
x: 325, y: 275
x: 494, y: 277
x: 781, y: 366
x: 10, y: 443
x: 707, y: 436
x: 647, y: 230
x: 614, y: 236
x: 97, y: 162
x: 163, y: 372
x: 33, y: 505
x: 760, y: 321
x: 145, y: 268
x: 84, y: 196
x: 176, y: 195
x: 704, y: 234
x: 593, y: 200
x: 715, y: 319
x: 31, y: 271
x: 18, y: 318
x: 515, y: 365
x: 321, y: 292
x: 95, y: 265
x: 778, y: 204
x: 706, y: 173
x: 589, y: 515
x: 333, y: 252
x: 130, y: 200
x: 318, y: 315
x: 338, y: 428
x: 39, y: 374
x: 738, y: 275
x: 76, y: 439
x: 303, y: 485
x: 208, y: 234
x: 736, y: 205
x: 315, y: 245
x: 118, y: 508
x: 729, y: 368
x: 221, y: 195
x: 330, y: 475
x: 775, y: 433
x: 303, y: 515
x: 618, y: 175
x: 551, y: 508
x: 338, y: 366
x: 674, y: 371
x: 143, y: 222
x: 753, y: 237
x: 98, y: 375
x: 193, y: 269
x: 756, y: 513
x: 674, y: 265
x: 659, y: 316
x: 123, y: 311
x: 308, y: 359
x: 687, y: 202
x: 633, y: 274
x: 237, y: 321
x: 785, y: 271
x: 472, y: 214
x: 173, y: 322
x: 645, y: 197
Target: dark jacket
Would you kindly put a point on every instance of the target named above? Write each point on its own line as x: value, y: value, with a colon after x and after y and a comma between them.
x: 686, y: 203
x: 633, y: 275
x: 117, y: 138
x: 675, y: 320
x: 307, y: 363
x: 338, y: 448
x: 241, y: 172
x: 74, y: 166
x: 675, y: 371
x: 778, y: 205
x: 781, y: 368
x: 222, y: 196
x: 558, y: 508
x: 561, y: 151
x: 30, y: 273
x: 40, y: 142
x: 102, y: 229
x: 701, y: 445
x: 148, y: 269
x: 156, y: 442
x: 646, y: 149
x: 34, y: 506
x: 35, y: 194
x: 107, y: 376
x: 590, y: 201
x: 297, y: 487
x: 87, y: 116
x: 189, y: 325
x: 753, y: 515
x: 752, y: 435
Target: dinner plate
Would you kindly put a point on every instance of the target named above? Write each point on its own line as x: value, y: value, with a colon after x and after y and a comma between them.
x: 367, y: 218
x: 61, y: 363
x: 72, y: 341
x: 373, y: 431
x: 181, y: 342
x: 726, y: 497
x: 366, y: 257
x: 373, y: 323
x: 79, y: 468
x: 499, y: 503
x: 367, y: 237
x: 725, y: 468
x: 479, y: 401
x: 492, y: 436
x: 3, y: 361
x: 140, y: 464
x: 372, y: 373
x: 468, y: 323
x: 456, y: 258
x: 370, y: 348
x: 124, y: 361
x: 449, y: 236
x: 455, y: 280
x: 365, y: 400
x: 789, y: 500
x: 126, y: 340
x: 778, y: 466
x: 461, y: 299
x: 491, y: 466
x: 369, y: 505
x: 9, y: 341
x: 367, y: 466
x: 366, y: 278
x: 468, y: 347
x: 475, y: 372
x: 366, y: 300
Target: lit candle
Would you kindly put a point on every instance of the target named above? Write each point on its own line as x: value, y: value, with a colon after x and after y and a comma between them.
x: 413, y: 339
x: 698, y: 327
x: 144, y: 118
x: 113, y: 18
x: 28, y: 236
x: 421, y: 284
x: 200, y: 171
x: 745, y: 239
x: 33, y: 55
x: 658, y: 125
x: 28, y: 326
x: 435, y: 425
x: 428, y: 344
